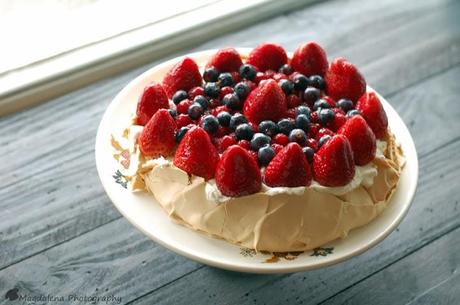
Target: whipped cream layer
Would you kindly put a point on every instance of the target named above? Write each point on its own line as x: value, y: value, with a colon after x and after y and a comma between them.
x: 276, y: 219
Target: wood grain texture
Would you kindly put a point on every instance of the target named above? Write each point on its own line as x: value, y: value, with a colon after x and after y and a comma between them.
x: 60, y: 234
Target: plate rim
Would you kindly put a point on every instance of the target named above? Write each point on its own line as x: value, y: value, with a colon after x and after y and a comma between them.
x: 249, y: 267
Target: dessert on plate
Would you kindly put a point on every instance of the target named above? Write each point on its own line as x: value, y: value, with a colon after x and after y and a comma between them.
x: 268, y: 151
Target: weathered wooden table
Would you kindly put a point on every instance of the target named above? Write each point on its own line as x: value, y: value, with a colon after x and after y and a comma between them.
x: 60, y: 234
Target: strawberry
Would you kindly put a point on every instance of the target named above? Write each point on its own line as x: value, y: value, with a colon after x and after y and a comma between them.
x: 266, y: 102
x: 374, y: 114
x: 152, y: 99
x: 338, y: 121
x: 267, y: 56
x: 310, y: 59
x: 343, y: 80
x: 157, y: 137
x: 361, y: 138
x: 288, y: 168
x: 333, y: 163
x: 323, y: 132
x: 183, y: 76
x: 225, y: 60
x: 237, y: 173
x: 196, y: 154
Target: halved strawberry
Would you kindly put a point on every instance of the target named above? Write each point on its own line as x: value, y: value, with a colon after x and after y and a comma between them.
x: 343, y: 80
x: 225, y: 60
x: 267, y: 56
x: 372, y: 110
x: 310, y: 59
x: 157, y: 137
x: 338, y: 121
x: 153, y: 98
x: 333, y: 163
x: 361, y: 138
x: 237, y: 173
x: 288, y: 168
x: 183, y: 76
x: 196, y: 154
x: 266, y: 102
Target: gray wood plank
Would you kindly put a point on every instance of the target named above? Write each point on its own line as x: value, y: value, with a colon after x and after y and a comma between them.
x: 435, y: 281
x: 114, y: 253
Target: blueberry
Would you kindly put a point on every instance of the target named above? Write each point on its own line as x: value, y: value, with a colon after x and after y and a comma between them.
x: 211, y: 90
x: 236, y: 120
x: 265, y: 155
x: 202, y: 101
x: 248, y: 71
x: 181, y: 133
x: 232, y: 101
x: 353, y: 113
x: 317, y: 82
x: 309, y: 152
x: 302, y: 121
x: 321, y: 104
x: 303, y: 110
x: 311, y: 95
x: 345, y: 105
x: 285, y: 126
x: 210, y: 123
x: 323, y: 140
x: 325, y: 116
x: 172, y: 112
x: 286, y: 69
x: 268, y: 127
x: 225, y: 79
x: 300, y: 82
x: 179, y: 96
x: 244, y: 132
x: 242, y: 90
x: 210, y: 74
x: 259, y: 140
x: 195, y: 111
x: 298, y: 136
x: 224, y: 118
x: 286, y: 85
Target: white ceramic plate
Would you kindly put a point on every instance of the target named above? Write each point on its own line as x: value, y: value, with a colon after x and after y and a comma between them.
x: 147, y: 215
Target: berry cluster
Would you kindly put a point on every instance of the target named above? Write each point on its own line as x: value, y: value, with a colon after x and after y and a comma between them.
x: 298, y: 118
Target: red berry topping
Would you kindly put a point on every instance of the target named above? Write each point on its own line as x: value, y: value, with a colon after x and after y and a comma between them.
x: 343, y: 80
x: 372, y: 110
x: 314, y: 128
x: 182, y: 107
x: 183, y: 76
x: 225, y: 90
x: 361, y: 138
x: 266, y: 102
x: 195, y: 91
x: 267, y: 56
x: 196, y: 155
x: 293, y: 100
x: 281, y: 139
x: 225, y: 60
x: 153, y: 98
x: 260, y: 76
x: 330, y: 101
x: 245, y: 144
x: 220, y: 109
x: 310, y: 59
x: 291, y: 113
x: 312, y: 143
x: 279, y: 76
x: 237, y: 173
x: 277, y: 147
x: 157, y: 137
x: 333, y: 163
x: 288, y: 168
x: 183, y: 120
x: 323, y: 132
x: 225, y: 142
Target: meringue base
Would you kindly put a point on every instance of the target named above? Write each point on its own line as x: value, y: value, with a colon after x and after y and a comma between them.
x: 281, y: 222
